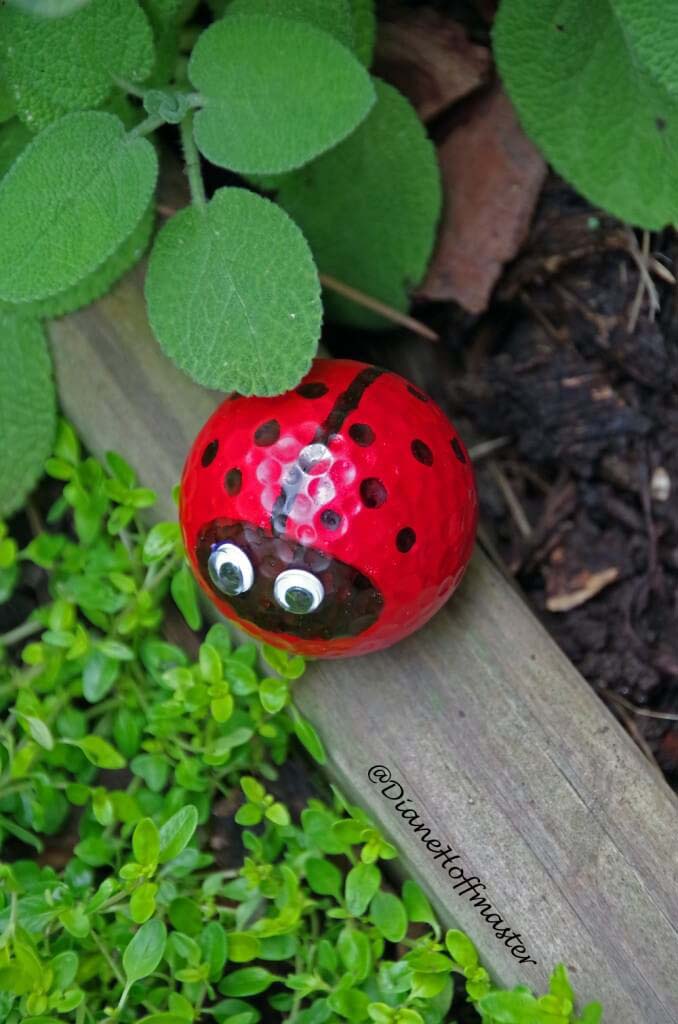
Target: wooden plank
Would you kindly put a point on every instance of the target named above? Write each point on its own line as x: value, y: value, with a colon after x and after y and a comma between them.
x: 499, y: 745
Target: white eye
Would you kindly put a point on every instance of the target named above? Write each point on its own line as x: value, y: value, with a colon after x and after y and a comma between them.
x: 230, y: 570
x: 298, y: 591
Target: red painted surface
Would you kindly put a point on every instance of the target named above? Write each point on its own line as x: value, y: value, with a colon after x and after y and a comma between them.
x: 359, y: 480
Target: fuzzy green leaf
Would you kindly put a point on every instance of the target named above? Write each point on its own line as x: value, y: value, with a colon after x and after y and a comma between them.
x: 99, y: 282
x: 100, y: 184
x: 27, y: 409
x: 266, y: 110
x: 56, y: 65
x: 14, y: 137
x: 651, y: 29
x: 364, y: 29
x: 369, y: 208
x: 332, y: 16
x: 233, y: 295
x: 620, y: 151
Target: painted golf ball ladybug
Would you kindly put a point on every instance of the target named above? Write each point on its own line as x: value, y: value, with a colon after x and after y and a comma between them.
x: 334, y: 519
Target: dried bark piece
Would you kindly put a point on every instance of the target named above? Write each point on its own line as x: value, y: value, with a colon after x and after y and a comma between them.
x: 492, y: 176
x: 429, y: 58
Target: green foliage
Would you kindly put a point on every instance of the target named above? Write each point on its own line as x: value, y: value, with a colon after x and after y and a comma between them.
x: 265, y: 111
x: 98, y: 282
x: 369, y: 208
x: 208, y: 271
x: 27, y: 409
x: 54, y: 237
x: 618, y: 146
x: 145, y: 923
x: 364, y: 29
x: 57, y: 65
x: 332, y: 16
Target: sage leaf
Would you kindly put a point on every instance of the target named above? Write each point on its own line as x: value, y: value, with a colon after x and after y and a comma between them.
x: 27, y: 409
x: 266, y: 110
x: 364, y: 29
x: 369, y: 208
x: 558, y: 67
x: 332, y: 16
x: 233, y: 295
x: 100, y: 184
x: 57, y: 65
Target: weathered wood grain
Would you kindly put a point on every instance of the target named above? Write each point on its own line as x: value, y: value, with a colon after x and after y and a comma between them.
x: 498, y: 743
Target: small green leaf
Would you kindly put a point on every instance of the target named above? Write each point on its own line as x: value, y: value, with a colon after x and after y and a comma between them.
x: 388, y: 916
x: 99, y: 752
x: 27, y: 409
x: 248, y: 981
x: 98, y: 677
x: 461, y: 948
x: 233, y: 295
x: 54, y: 237
x: 309, y: 738
x: 417, y: 905
x: 369, y: 208
x: 362, y: 882
x: 146, y: 842
x: 557, y: 69
x: 56, y: 65
x: 517, y: 1007
x: 332, y: 16
x: 142, y: 902
x: 213, y: 944
x: 144, y: 951
x: 177, y: 832
x: 265, y: 110
x: 324, y: 877
x: 185, y: 594
x: 273, y: 694
x: 38, y: 729
x: 243, y: 947
x: 353, y: 947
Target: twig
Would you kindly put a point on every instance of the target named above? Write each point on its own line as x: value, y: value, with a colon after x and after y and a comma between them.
x: 667, y: 716
x: 514, y: 506
x: 379, y: 307
x: 641, y: 257
x: 483, y: 448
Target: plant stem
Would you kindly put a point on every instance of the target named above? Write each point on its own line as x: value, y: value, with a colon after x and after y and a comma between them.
x: 192, y: 163
x: 377, y: 306
x: 145, y: 127
x: 133, y: 90
x: 26, y: 629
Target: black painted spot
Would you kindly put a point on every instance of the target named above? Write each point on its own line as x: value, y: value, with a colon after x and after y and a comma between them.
x: 457, y: 449
x: 233, y: 482
x: 417, y: 394
x: 560, y: 28
x: 210, y: 453
x: 330, y: 519
x: 422, y: 452
x: 661, y: 123
x: 314, y: 389
x: 405, y: 539
x: 361, y: 434
x: 267, y: 434
x: 372, y: 492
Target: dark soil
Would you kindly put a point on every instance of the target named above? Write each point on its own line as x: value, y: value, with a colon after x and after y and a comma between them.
x: 576, y: 380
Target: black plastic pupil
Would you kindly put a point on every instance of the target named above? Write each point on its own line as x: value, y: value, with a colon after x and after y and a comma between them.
x: 298, y: 600
x: 230, y: 577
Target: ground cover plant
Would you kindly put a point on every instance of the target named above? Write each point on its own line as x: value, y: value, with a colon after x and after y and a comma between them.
x: 116, y: 742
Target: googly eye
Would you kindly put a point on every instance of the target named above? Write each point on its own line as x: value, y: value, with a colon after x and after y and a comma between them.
x: 230, y: 570
x: 298, y: 591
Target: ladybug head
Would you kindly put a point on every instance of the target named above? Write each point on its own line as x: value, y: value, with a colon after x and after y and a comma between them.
x: 282, y: 586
